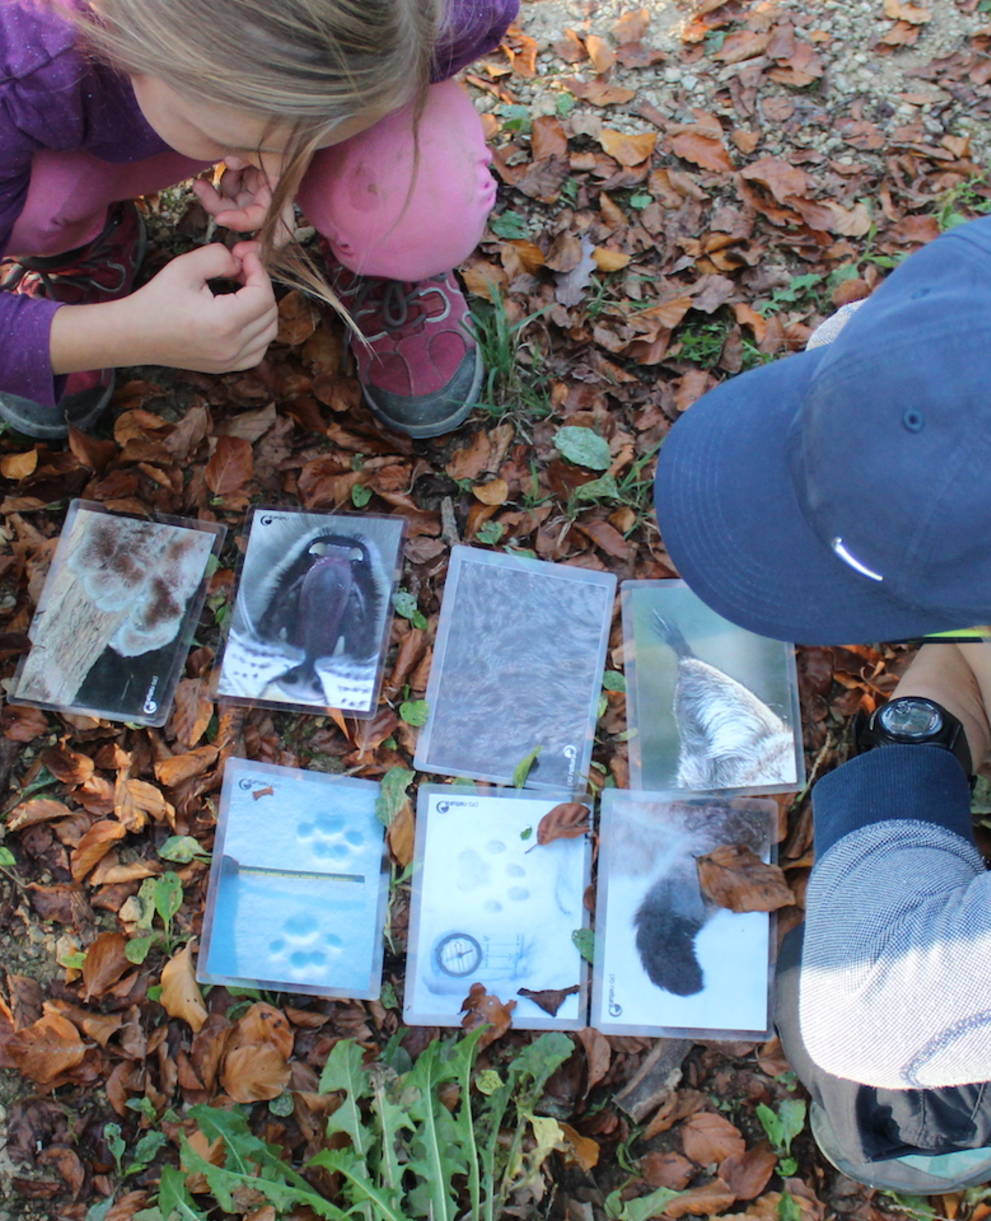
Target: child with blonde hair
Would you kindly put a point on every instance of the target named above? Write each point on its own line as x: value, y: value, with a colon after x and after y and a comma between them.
x: 344, y: 106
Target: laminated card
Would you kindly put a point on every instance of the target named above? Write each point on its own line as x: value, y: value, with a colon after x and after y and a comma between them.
x: 312, y: 614
x: 711, y: 707
x: 116, y: 616
x: 517, y: 670
x: 669, y: 961
x: 493, y: 905
x: 298, y: 884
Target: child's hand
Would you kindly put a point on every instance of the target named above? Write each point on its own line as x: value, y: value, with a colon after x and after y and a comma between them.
x: 184, y: 325
x: 244, y: 200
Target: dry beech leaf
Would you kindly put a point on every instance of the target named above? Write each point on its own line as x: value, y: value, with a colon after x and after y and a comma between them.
x: 670, y: 1170
x: 735, y: 877
x: 914, y: 14
x: 601, y: 54
x: 549, y: 999
x: 780, y: 178
x: 255, y: 1073
x: 703, y: 1201
x: 47, y: 1048
x: 481, y: 1009
x: 401, y: 833
x: 548, y: 138
x: 230, y: 467
x: 495, y: 492
x: 193, y: 710
x: 708, y: 1138
x: 581, y: 1149
x: 747, y: 1174
x: 701, y: 150
x: 598, y: 1055
x: 104, y: 963
x: 631, y: 26
x: 137, y: 800
x: 19, y: 466
x: 263, y: 1023
x: 180, y: 993
x: 568, y: 820
x: 95, y: 845
x: 40, y: 809
x: 68, y: 766
x: 23, y: 724
x: 626, y: 148
x: 172, y: 771
x: 607, y: 259
x: 599, y: 93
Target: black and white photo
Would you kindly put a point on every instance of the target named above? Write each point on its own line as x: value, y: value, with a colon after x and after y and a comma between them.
x: 313, y: 607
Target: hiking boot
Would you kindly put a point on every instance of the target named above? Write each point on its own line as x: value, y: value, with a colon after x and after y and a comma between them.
x: 102, y: 270
x: 419, y: 367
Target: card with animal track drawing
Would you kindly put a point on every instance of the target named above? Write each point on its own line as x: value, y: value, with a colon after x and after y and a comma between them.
x: 711, y: 707
x: 311, y: 619
x: 115, y: 618
x: 496, y: 903
x: 668, y: 961
x: 298, y: 883
x: 517, y: 670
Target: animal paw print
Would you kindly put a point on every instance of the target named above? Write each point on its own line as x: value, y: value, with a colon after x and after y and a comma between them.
x: 329, y: 838
x: 476, y: 872
x: 298, y: 947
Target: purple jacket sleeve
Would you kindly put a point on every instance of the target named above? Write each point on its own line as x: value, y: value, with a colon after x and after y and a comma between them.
x: 471, y: 28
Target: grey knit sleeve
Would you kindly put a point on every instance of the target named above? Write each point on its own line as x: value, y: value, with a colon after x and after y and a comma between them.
x: 895, y: 989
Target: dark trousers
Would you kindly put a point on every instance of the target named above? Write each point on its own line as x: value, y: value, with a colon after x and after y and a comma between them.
x: 870, y: 1124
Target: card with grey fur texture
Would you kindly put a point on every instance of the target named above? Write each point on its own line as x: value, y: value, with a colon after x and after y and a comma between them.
x: 711, y: 707
x: 517, y: 670
x: 311, y: 619
x: 492, y: 905
x: 668, y: 961
x: 115, y: 618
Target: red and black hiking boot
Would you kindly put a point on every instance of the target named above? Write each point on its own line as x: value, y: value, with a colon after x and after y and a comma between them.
x: 419, y: 367
x: 102, y: 270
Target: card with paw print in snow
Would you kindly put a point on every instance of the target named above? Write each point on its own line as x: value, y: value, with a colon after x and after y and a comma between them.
x: 499, y: 878
x: 298, y: 884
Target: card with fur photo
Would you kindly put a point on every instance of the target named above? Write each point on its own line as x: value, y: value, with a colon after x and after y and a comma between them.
x: 116, y: 616
x: 494, y: 905
x: 711, y: 707
x: 517, y: 670
x: 311, y: 619
x: 298, y: 884
x: 668, y: 961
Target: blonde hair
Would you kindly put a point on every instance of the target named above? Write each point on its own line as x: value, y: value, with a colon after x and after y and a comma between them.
x: 304, y: 64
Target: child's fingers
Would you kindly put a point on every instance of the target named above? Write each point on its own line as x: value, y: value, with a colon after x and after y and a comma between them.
x: 213, y: 262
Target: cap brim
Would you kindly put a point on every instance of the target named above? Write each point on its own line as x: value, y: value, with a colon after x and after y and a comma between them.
x: 734, y: 528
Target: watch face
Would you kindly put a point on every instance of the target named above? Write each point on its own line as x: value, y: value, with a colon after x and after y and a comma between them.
x: 911, y: 718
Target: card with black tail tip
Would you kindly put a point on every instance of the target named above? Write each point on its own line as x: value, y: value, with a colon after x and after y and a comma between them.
x: 312, y: 614
x: 670, y: 959
x: 117, y: 613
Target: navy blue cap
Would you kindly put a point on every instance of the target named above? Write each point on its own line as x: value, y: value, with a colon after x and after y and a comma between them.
x: 843, y: 494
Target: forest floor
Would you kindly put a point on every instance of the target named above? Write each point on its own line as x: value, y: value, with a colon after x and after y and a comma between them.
x: 686, y: 191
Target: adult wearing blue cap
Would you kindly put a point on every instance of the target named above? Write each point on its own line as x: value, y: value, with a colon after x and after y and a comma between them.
x: 844, y: 495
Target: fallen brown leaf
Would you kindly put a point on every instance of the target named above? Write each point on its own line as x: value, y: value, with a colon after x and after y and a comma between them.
x: 568, y: 820
x: 47, y: 1048
x: 549, y: 999
x: 735, y: 877
x: 481, y: 1009
x: 708, y: 1138
x: 180, y: 993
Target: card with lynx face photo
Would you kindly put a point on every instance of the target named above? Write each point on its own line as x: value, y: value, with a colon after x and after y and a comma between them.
x: 517, y: 670
x: 116, y: 616
x: 711, y: 707
x: 495, y: 906
x: 668, y: 960
x: 312, y: 614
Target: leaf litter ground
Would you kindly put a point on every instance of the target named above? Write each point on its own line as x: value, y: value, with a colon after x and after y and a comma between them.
x: 685, y: 194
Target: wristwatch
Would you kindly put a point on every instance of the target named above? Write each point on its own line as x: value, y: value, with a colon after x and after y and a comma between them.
x: 913, y: 720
